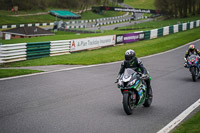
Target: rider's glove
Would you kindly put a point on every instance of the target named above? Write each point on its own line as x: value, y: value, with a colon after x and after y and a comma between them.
x: 117, y: 78
x: 185, y: 64
x: 143, y: 76
x: 185, y: 59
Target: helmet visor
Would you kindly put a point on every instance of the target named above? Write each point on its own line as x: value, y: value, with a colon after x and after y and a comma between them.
x: 128, y: 57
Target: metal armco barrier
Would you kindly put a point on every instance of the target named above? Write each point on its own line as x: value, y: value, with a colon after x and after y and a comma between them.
x: 12, y: 52
x: 38, y: 50
x: 26, y: 51
x: 60, y: 47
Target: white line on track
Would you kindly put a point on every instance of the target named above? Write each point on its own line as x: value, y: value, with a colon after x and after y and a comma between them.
x: 168, y: 127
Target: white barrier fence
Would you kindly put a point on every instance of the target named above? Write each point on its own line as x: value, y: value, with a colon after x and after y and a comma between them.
x: 60, y: 47
x: 173, y: 29
x: 12, y: 52
x: 20, y: 51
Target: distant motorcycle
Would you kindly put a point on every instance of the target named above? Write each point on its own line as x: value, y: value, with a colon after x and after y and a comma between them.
x: 134, y: 91
x: 193, y: 65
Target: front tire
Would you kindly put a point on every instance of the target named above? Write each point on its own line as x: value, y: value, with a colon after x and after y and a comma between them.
x: 128, y: 103
x: 194, y: 75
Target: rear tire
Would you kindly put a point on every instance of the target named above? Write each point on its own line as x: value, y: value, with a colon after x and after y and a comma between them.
x: 128, y: 103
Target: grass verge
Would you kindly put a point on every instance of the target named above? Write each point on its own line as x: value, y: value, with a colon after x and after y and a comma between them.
x: 142, y: 4
x: 61, y: 36
x: 190, y: 126
x: 111, y: 54
x: 15, y: 72
x: 159, y: 24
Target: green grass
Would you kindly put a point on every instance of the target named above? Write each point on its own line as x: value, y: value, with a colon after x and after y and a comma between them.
x: 5, y: 19
x: 111, y: 54
x: 105, y: 14
x: 190, y: 126
x: 15, y: 72
x: 61, y: 36
x: 159, y: 24
x: 142, y: 4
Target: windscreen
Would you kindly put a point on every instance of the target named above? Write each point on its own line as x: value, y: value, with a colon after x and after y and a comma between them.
x: 128, y: 72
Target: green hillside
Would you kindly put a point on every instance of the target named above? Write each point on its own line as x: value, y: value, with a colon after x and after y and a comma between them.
x: 143, y: 4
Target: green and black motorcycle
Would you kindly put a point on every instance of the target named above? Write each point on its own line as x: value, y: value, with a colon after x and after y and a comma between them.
x: 134, y: 90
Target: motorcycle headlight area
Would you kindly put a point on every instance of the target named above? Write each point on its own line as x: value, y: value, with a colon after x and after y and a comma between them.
x: 132, y: 82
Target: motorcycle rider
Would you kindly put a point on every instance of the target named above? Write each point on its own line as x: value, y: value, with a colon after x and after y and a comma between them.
x: 191, y: 50
x: 131, y: 61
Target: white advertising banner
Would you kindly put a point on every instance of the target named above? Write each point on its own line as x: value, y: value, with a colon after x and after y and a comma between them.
x: 94, y: 42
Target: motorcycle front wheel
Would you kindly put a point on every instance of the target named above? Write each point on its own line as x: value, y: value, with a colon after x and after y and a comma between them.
x: 194, y: 74
x: 128, y: 103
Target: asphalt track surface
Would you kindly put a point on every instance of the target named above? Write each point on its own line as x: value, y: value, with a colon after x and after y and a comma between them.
x: 86, y: 100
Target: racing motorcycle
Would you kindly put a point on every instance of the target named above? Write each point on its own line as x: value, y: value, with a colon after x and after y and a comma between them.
x: 193, y: 65
x: 134, y: 90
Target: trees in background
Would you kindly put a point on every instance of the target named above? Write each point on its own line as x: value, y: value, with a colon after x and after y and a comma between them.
x: 178, y: 8
x: 24, y: 4
x: 44, y: 4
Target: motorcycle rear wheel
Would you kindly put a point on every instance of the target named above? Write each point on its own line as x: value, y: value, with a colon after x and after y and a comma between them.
x: 149, y: 98
x: 128, y: 103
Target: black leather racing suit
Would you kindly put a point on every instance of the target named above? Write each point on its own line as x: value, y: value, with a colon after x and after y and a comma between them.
x: 137, y: 66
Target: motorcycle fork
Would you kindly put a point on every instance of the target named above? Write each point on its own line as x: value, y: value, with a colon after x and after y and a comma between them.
x: 133, y: 96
